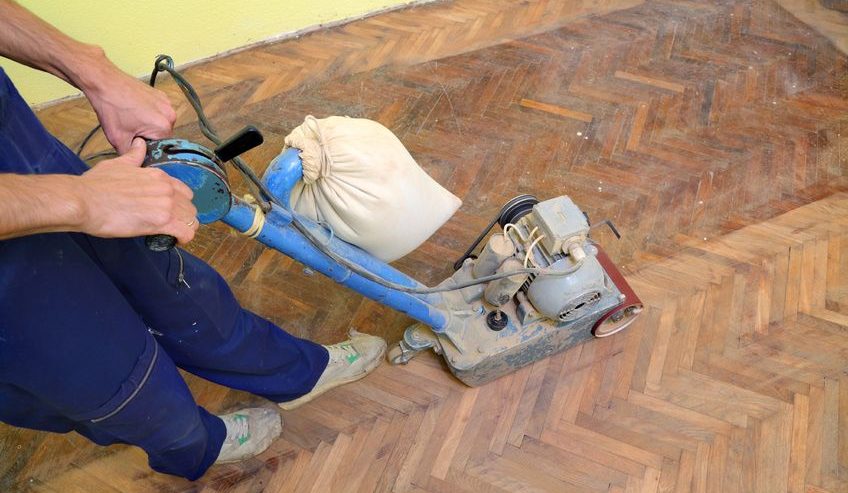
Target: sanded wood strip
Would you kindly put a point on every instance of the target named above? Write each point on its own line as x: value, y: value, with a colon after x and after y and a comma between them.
x: 556, y: 110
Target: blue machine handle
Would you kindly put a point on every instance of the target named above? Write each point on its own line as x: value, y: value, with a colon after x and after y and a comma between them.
x: 195, y: 166
x: 275, y: 230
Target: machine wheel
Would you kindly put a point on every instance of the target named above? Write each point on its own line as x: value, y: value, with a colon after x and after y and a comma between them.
x: 417, y: 338
x: 617, y: 320
x: 399, y: 354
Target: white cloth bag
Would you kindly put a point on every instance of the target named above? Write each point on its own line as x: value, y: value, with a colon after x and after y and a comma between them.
x: 359, y: 179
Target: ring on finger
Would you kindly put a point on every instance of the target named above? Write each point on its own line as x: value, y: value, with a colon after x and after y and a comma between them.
x: 191, y: 223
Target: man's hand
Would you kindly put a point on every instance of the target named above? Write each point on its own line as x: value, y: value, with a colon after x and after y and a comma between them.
x: 121, y: 199
x: 116, y: 198
x: 128, y: 108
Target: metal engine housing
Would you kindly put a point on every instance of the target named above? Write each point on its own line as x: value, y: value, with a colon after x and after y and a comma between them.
x: 562, y: 245
x: 568, y: 298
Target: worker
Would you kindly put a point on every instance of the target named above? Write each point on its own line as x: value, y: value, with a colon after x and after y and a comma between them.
x: 93, y: 325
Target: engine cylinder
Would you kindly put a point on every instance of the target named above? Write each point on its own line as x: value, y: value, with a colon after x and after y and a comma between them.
x: 497, y: 249
x: 499, y: 292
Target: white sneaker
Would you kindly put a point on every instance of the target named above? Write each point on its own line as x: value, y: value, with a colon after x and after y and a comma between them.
x: 349, y: 361
x: 249, y: 432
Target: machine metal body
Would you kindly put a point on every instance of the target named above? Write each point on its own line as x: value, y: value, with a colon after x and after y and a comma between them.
x: 483, y: 331
x: 504, y: 325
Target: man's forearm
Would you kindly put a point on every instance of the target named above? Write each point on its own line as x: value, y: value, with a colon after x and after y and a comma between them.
x: 29, y: 40
x: 126, y: 107
x: 39, y: 204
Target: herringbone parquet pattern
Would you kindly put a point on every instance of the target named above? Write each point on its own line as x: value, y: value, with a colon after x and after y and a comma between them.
x: 713, y: 133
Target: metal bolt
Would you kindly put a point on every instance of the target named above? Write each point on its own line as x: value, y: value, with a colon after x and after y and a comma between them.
x: 576, y: 251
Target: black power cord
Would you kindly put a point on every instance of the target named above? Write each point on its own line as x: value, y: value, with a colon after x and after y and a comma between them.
x: 165, y: 63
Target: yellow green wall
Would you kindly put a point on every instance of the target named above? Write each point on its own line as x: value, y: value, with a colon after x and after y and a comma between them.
x: 133, y: 32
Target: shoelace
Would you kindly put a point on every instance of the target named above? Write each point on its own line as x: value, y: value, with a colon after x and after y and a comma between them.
x: 240, y: 428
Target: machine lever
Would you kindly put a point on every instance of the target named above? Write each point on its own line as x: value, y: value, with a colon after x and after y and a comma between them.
x: 243, y: 141
x: 608, y: 223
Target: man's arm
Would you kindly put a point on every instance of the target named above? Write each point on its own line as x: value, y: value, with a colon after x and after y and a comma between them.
x: 126, y: 107
x: 116, y: 198
x: 38, y: 204
x: 27, y: 39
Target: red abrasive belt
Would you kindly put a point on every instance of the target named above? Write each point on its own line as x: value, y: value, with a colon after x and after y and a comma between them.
x: 630, y: 299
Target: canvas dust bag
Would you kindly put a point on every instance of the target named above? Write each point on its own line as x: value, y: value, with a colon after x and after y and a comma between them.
x: 360, y: 180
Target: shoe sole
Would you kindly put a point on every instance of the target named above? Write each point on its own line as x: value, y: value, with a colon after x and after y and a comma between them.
x: 288, y: 406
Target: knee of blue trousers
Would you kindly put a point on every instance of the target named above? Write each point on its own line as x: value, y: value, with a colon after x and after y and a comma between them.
x: 156, y: 412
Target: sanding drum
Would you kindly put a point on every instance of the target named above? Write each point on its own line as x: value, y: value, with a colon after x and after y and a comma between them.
x: 626, y: 312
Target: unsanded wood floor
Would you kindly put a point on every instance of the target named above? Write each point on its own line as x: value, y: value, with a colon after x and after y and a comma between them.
x: 715, y: 135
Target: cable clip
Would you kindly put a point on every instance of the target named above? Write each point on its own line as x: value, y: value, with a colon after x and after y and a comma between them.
x: 258, y: 218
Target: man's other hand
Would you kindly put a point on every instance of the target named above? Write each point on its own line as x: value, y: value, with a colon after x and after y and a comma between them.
x: 122, y: 199
x: 128, y: 108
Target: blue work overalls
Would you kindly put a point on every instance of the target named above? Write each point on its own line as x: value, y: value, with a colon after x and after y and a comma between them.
x: 92, y: 330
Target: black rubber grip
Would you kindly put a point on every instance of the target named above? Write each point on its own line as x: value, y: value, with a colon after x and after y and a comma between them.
x: 243, y: 141
x: 160, y: 243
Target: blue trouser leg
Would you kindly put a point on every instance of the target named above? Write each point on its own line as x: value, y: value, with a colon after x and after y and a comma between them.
x: 203, y: 328
x: 74, y: 355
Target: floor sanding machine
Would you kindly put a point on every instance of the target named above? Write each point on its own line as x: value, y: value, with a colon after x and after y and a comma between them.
x: 536, y: 286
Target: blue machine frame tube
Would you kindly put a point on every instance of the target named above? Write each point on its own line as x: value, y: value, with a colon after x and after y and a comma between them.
x: 283, y: 173
x: 279, y: 234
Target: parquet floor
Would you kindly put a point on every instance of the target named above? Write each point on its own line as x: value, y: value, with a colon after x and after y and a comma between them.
x: 715, y: 135
x: 831, y: 23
